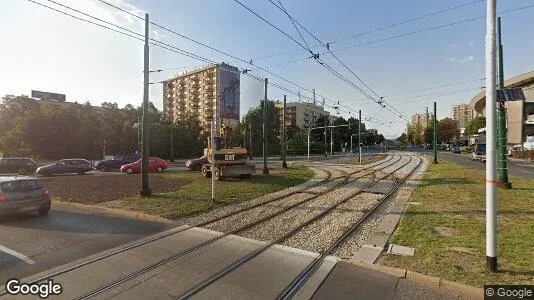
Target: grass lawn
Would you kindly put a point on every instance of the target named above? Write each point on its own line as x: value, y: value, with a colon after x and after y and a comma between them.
x: 194, y: 195
x: 452, y: 214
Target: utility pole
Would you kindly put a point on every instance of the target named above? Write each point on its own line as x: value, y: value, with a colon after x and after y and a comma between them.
x: 501, y: 119
x: 284, y: 164
x: 491, y: 183
x: 325, y: 147
x: 172, y: 144
x: 250, y: 140
x: 212, y: 154
x: 360, y: 136
x: 265, y: 170
x: 331, y: 138
x: 145, y: 190
x: 435, y: 135
x: 313, y: 90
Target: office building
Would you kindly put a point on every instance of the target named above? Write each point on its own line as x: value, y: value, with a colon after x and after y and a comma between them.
x: 301, y: 114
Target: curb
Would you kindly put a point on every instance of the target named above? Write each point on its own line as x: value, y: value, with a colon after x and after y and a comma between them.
x: 446, y: 286
x: 115, y: 211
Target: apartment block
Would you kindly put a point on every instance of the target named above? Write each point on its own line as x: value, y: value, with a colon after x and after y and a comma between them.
x: 462, y: 115
x: 422, y: 119
x: 200, y: 92
x: 301, y: 114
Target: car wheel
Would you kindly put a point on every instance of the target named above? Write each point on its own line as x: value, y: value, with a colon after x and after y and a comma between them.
x: 129, y: 170
x: 205, y: 172
x: 44, y: 211
x: 103, y: 169
x: 218, y: 175
x: 159, y: 169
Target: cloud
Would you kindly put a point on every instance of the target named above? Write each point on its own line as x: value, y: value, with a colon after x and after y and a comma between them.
x: 467, y: 59
x: 454, y: 45
x: 127, y: 17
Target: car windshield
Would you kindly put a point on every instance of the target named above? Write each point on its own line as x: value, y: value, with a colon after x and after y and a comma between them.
x: 20, y: 185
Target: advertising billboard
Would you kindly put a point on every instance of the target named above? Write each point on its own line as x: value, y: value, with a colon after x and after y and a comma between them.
x: 229, y: 93
x: 48, y: 96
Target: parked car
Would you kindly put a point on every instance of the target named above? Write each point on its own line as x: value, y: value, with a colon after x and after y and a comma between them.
x: 196, y: 164
x: 456, y: 149
x: 66, y: 166
x: 20, y: 165
x: 21, y: 194
x: 479, y: 152
x: 154, y: 164
x: 116, y: 162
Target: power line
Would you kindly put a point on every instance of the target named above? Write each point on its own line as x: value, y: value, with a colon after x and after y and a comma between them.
x: 382, y: 28
x: 436, y: 87
x: 405, y: 34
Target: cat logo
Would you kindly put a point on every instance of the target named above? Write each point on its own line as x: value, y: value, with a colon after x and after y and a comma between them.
x: 229, y: 157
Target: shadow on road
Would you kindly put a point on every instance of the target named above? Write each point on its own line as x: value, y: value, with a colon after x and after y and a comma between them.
x: 74, y: 222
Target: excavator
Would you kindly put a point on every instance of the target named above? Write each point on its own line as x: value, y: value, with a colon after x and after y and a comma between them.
x: 229, y: 161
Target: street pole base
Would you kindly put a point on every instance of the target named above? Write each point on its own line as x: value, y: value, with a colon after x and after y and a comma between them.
x: 145, y: 192
x: 435, y: 161
x: 284, y: 165
x: 491, y: 264
x: 265, y: 171
x: 504, y: 184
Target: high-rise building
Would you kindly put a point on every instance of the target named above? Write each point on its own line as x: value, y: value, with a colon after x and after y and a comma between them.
x: 422, y: 119
x: 462, y: 115
x: 301, y: 114
x: 200, y: 92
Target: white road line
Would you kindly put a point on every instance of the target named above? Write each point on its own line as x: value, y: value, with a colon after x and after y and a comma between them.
x: 528, y: 166
x: 527, y: 172
x: 16, y: 254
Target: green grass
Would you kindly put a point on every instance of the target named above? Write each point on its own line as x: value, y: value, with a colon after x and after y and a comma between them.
x: 194, y: 196
x: 454, y: 196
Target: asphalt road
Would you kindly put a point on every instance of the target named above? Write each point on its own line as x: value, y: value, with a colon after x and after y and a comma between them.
x: 521, y: 169
x: 30, y: 244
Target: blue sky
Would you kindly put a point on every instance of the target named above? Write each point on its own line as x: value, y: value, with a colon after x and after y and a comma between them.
x: 52, y: 52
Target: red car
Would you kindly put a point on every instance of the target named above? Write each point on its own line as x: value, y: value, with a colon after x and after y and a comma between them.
x: 154, y: 165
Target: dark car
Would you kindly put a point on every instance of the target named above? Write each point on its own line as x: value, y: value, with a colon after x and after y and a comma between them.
x: 19, y: 165
x: 456, y: 149
x: 66, y: 166
x: 21, y: 194
x: 196, y: 164
x: 116, y: 162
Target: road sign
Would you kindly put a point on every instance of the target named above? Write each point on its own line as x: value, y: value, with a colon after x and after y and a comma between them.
x: 48, y: 96
x: 510, y: 95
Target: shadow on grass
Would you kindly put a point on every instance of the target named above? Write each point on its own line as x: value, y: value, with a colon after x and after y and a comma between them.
x: 440, y: 181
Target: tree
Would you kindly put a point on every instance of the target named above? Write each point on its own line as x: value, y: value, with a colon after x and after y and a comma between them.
x: 448, y: 130
x: 417, y: 137
x: 476, y: 124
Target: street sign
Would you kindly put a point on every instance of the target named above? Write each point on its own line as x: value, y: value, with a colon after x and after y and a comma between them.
x: 510, y: 95
x: 48, y: 96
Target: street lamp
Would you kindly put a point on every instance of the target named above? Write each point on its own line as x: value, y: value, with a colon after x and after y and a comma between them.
x: 351, y: 142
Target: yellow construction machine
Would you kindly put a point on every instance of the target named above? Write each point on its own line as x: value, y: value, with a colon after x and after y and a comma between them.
x: 229, y: 161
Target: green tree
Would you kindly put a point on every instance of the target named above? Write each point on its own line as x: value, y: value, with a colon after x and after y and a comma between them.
x: 476, y: 124
x: 448, y: 130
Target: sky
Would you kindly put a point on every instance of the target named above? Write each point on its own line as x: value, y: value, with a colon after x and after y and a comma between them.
x: 48, y: 51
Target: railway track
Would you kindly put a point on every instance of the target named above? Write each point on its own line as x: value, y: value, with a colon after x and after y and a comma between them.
x: 373, y: 169
x: 302, y: 278
x: 344, y: 178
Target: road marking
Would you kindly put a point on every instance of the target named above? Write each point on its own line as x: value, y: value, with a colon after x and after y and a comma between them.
x: 527, y: 172
x: 16, y: 254
x: 528, y: 166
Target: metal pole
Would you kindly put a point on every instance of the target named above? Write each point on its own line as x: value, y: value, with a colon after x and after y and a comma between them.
x: 265, y: 170
x: 284, y: 164
x: 212, y: 154
x: 325, y: 147
x: 435, y: 121
x: 351, y: 143
x: 331, y: 138
x: 250, y: 140
x: 309, y: 143
x: 145, y: 190
x: 360, y: 136
x: 501, y: 119
x: 172, y: 144
x: 491, y: 188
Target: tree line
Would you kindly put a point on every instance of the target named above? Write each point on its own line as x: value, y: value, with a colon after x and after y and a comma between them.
x: 50, y: 130
x: 447, y: 131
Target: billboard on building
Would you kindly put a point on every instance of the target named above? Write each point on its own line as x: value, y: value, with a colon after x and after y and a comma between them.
x: 48, y: 96
x: 229, y: 92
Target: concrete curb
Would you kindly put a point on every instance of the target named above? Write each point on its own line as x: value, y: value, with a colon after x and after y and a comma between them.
x: 446, y: 286
x: 114, y: 211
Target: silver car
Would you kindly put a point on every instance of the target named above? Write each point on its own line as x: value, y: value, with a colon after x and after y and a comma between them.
x: 21, y: 194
